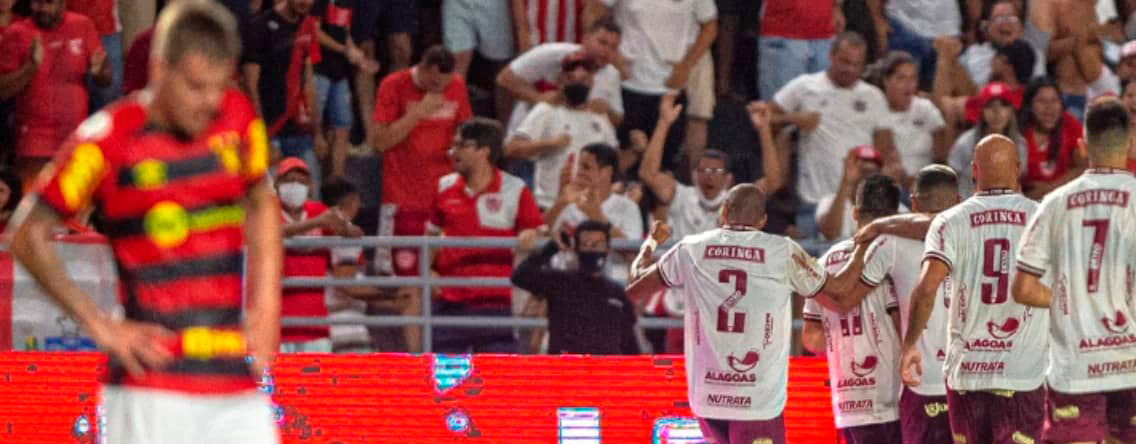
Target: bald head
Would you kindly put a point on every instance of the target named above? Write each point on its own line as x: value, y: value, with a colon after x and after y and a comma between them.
x: 996, y: 163
x: 745, y: 205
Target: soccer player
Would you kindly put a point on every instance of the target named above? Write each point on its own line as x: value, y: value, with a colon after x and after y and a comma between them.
x: 923, y: 407
x: 1081, y: 237
x: 736, y: 282
x: 861, y: 344
x: 178, y: 175
x: 997, y: 348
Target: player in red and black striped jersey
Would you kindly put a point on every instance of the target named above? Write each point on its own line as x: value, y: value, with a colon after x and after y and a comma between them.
x: 177, y: 173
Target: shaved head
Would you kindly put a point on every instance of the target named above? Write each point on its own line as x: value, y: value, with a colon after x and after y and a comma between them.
x: 936, y: 189
x: 745, y: 205
x: 996, y: 163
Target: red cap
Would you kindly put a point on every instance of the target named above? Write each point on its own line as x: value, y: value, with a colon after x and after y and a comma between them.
x: 992, y: 91
x: 292, y: 163
x: 868, y: 153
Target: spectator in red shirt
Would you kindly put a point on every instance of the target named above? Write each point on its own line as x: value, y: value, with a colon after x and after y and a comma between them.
x: 304, y: 217
x: 102, y: 13
x: 1052, y: 136
x: 479, y: 200
x: 44, y: 63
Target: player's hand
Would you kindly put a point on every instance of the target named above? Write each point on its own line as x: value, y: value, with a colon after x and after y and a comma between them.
x: 668, y: 110
x: 36, y: 51
x: 526, y: 240
x: 566, y: 172
x: 135, y: 345
x: 680, y: 75
x: 867, y: 234
x: 911, y: 366
x: 590, y: 204
x: 639, y: 140
x: 808, y: 121
x: 430, y: 103
x: 660, y: 231
x: 761, y: 116
x: 98, y: 61
x: 851, y: 168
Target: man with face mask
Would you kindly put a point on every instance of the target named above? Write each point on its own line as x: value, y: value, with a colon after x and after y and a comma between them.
x: 588, y: 313
x: 553, y: 133
x: 44, y: 64
x: 303, y: 217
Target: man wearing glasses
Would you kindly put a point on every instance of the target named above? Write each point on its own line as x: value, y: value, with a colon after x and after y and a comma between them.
x: 1002, y: 27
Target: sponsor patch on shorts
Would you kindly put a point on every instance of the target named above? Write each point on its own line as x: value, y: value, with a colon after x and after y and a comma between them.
x: 959, y: 438
x: 1021, y: 438
x: 1067, y: 412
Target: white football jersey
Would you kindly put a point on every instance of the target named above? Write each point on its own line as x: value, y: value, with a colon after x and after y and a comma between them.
x: 900, y: 260
x: 739, y: 322
x: 862, y: 347
x: 995, y: 343
x: 1082, y: 237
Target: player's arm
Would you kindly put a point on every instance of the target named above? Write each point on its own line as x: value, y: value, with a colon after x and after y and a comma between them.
x: 844, y: 286
x: 660, y: 232
x: 812, y: 336
x: 1028, y: 289
x: 922, y: 303
x: 265, y: 261
x: 773, y: 174
x: 519, y: 87
x: 883, y: 139
x: 134, y: 345
x: 910, y: 226
x: 650, y: 168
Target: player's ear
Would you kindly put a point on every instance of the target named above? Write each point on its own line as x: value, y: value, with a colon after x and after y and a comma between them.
x: 761, y: 223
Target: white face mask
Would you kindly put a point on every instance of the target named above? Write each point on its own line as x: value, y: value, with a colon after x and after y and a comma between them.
x: 292, y: 194
x: 711, y: 204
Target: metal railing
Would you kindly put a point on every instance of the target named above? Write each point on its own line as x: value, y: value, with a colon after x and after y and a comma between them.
x: 427, y: 283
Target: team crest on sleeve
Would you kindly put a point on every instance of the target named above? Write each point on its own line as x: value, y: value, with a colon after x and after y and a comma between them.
x: 257, y: 162
x: 81, y: 175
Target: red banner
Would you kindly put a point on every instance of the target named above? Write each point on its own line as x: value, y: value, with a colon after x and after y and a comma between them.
x: 398, y: 398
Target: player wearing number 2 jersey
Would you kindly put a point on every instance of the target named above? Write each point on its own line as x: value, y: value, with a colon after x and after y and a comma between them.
x: 1081, y: 239
x: 736, y: 282
x: 922, y: 407
x: 996, y: 351
x: 861, y: 344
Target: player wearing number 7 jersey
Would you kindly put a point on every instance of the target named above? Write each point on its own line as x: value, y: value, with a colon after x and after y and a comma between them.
x: 996, y: 351
x: 1081, y: 239
x: 737, y: 283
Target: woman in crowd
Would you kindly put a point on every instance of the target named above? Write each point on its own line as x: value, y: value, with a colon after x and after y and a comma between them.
x: 997, y: 118
x: 1051, y: 136
x: 920, y: 133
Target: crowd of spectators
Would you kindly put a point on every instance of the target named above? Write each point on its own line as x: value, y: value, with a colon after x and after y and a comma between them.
x: 593, y: 119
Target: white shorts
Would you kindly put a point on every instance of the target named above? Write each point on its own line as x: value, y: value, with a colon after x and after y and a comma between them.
x: 150, y: 416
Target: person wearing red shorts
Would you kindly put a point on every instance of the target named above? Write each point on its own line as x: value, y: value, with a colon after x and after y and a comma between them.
x: 178, y: 176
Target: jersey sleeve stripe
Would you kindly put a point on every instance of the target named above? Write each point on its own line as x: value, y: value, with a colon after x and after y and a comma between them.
x: 823, y: 280
x: 1027, y: 268
x: 869, y: 282
x: 810, y: 317
x: 939, y: 256
x: 663, y: 275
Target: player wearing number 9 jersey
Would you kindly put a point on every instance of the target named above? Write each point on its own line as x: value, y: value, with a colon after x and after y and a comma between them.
x: 737, y: 283
x: 1082, y: 240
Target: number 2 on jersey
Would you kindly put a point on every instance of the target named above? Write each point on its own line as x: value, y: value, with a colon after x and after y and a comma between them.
x: 732, y: 321
x: 995, y: 265
x: 1096, y: 252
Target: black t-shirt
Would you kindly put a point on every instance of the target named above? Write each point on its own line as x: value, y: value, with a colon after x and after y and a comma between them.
x: 335, y: 17
x: 587, y: 314
x: 269, y: 44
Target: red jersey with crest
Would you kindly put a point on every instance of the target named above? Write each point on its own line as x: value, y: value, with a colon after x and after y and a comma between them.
x: 173, y: 214
x: 1081, y: 238
x: 995, y: 343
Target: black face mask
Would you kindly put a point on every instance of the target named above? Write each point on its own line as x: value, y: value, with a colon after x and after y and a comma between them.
x: 576, y: 94
x: 591, y: 262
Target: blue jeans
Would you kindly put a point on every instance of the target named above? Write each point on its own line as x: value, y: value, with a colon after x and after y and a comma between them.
x: 1075, y: 105
x: 300, y: 145
x: 904, y: 39
x: 101, y: 97
x: 781, y: 60
x: 333, y: 101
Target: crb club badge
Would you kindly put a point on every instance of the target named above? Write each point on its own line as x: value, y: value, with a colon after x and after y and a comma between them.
x: 493, y: 203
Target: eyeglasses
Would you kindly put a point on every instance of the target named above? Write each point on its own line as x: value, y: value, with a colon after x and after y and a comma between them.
x: 1004, y: 19
x: 711, y: 170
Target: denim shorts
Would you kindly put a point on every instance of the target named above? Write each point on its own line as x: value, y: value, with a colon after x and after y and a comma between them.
x: 333, y: 101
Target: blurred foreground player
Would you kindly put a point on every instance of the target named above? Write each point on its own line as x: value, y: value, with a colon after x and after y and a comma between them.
x: 174, y: 171
x: 740, y: 279
x: 1081, y: 237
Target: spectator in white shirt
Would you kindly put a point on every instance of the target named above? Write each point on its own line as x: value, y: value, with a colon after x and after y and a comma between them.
x: 555, y: 132
x: 834, y: 111
x: 921, y: 135
x: 533, y: 77
x: 666, y: 45
x: 1003, y: 27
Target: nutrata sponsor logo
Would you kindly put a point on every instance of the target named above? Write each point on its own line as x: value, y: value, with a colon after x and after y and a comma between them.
x: 857, y: 405
x: 727, y: 378
x: 998, y: 217
x: 1116, y: 198
x: 729, y: 401
x: 982, y: 367
x: 865, y: 368
x: 1101, y: 369
x: 1007, y: 328
x: 1117, y: 324
x: 983, y: 344
x: 1107, y: 342
x: 748, y: 254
